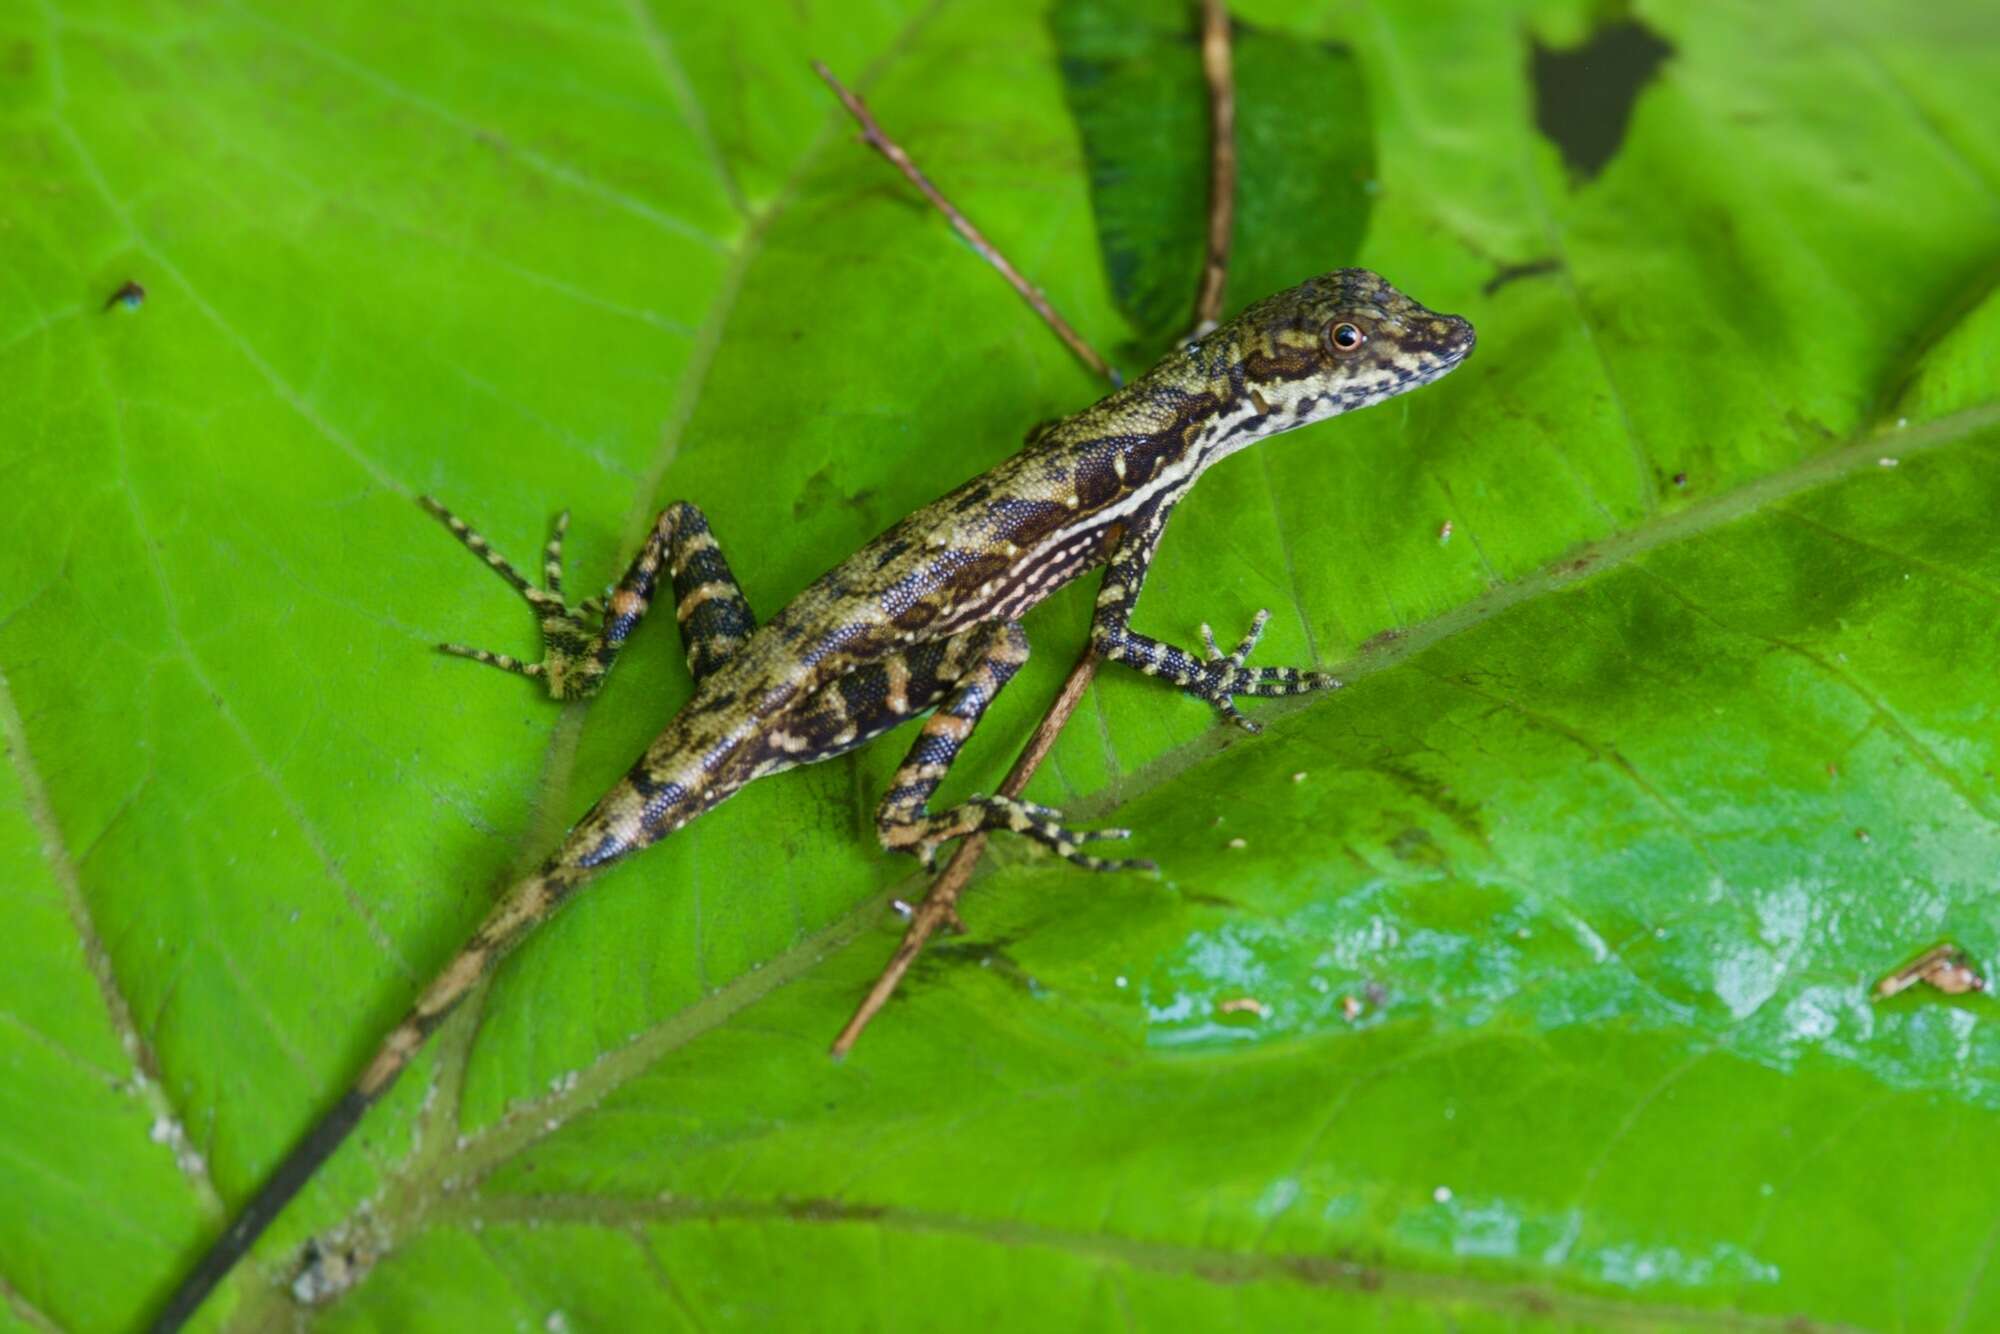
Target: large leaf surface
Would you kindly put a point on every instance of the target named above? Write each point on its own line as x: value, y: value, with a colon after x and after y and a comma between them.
x: 1686, y: 733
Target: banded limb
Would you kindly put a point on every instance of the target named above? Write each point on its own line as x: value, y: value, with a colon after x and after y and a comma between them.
x: 580, y: 643
x: 989, y: 656
x: 1220, y: 676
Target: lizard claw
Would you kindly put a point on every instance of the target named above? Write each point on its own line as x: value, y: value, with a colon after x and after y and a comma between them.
x: 1243, y: 646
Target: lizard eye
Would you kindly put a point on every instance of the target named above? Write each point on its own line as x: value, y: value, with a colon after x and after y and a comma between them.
x: 1345, y: 337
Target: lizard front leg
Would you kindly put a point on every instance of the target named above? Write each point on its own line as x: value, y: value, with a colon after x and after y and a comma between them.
x: 991, y: 654
x: 1218, y: 678
x: 580, y: 643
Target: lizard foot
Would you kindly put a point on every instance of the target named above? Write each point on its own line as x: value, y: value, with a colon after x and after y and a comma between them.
x: 573, y: 664
x: 1043, y: 824
x: 1225, y: 676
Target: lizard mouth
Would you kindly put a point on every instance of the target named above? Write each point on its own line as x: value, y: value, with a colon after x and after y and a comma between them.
x: 1451, y: 338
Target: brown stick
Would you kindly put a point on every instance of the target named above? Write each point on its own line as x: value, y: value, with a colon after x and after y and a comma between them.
x: 1215, y: 65
x: 940, y: 905
x: 872, y: 135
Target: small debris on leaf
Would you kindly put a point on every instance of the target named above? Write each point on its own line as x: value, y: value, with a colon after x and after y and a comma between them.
x: 1444, y: 533
x: 1299, y: 777
x: 1351, y: 1008
x: 168, y: 1131
x: 1239, y: 844
x: 131, y: 296
x: 1442, y: 1195
x: 326, y: 1271
x: 1244, y: 1005
x: 1680, y: 479
x: 1887, y: 462
x: 1946, y: 967
x: 1862, y: 835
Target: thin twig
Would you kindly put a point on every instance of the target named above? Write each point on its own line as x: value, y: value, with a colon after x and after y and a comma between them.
x: 940, y: 905
x: 1215, y: 65
x: 872, y: 135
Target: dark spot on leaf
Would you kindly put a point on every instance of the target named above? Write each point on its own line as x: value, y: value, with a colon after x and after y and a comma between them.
x: 131, y: 296
x: 1438, y: 796
x: 1584, y: 96
x: 1417, y: 846
x: 1508, y: 273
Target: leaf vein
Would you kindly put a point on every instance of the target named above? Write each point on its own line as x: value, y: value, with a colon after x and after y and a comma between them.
x: 582, y: 182
x: 674, y: 75
x: 97, y: 959
x: 1887, y: 717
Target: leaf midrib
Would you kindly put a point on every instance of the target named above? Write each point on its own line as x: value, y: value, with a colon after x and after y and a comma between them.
x: 1207, y: 1264
x: 1580, y: 563
x: 417, y: 1200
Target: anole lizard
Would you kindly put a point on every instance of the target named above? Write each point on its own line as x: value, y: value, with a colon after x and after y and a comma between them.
x: 925, y: 617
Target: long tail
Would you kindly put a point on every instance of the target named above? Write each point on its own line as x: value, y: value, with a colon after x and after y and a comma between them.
x: 519, y: 911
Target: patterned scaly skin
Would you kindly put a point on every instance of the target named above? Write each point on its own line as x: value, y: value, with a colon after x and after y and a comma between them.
x: 925, y: 617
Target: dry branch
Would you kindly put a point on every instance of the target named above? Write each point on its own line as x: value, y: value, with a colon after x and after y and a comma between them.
x: 939, y: 907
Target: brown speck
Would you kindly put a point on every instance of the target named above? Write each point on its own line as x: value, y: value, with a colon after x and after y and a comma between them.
x: 1832, y: 770
x: 1380, y: 639
x: 1945, y: 967
x: 1680, y: 479
x: 1351, y: 1008
x: 131, y: 296
x: 1444, y: 533
x: 1862, y: 835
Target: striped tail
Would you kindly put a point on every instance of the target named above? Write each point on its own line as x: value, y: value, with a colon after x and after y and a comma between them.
x: 519, y: 911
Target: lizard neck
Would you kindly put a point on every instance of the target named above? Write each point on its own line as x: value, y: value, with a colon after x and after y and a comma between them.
x: 1146, y: 444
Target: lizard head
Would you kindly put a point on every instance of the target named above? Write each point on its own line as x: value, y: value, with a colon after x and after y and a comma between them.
x: 1332, y: 344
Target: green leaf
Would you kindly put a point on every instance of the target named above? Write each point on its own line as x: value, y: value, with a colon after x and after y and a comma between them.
x: 1686, y: 734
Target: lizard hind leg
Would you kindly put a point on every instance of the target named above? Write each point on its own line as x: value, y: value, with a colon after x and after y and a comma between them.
x: 904, y: 821
x: 713, y: 615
